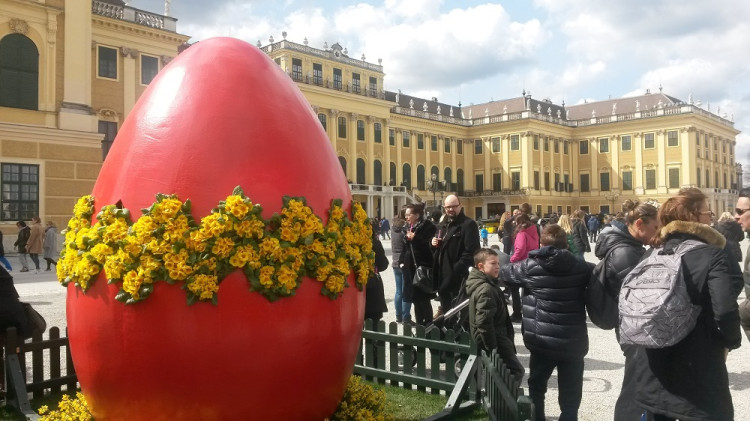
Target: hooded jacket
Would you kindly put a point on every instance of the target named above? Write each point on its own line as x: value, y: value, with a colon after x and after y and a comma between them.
x: 554, y: 312
x: 526, y: 240
x: 490, y: 324
x: 620, y: 251
x: 732, y: 231
x: 689, y: 380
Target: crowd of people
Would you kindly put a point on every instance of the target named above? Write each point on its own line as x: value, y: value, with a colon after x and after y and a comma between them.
x: 541, y: 275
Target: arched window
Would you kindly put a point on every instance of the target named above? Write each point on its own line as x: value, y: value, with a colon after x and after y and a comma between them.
x: 360, y: 171
x: 407, y: 176
x: 342, y: 161
x: 460, y: 181
x: 377, y: 173
x: 392, y: 173
x: 448, y: 177
x: 19, y: 72
x: 436, y: 171
x: 420, y: 177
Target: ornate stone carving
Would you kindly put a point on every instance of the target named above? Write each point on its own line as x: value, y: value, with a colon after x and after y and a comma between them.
x: 107, y: 114
x: 127, y: 51
x: 18, y: 26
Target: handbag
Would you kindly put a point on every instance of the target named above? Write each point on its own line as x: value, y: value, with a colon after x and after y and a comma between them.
x: 422, y: 279
x: 37, y: 324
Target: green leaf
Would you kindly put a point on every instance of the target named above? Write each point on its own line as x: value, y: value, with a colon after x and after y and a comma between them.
x: 187, y: 206
x: 238, y: 191
x: 191, y: 299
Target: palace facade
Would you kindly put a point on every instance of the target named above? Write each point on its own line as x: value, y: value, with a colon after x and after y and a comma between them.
x: 70, y: 72
x: 395, y: 148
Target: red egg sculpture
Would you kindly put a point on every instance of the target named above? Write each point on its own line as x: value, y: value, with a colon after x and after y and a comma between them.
x: 221, y: 114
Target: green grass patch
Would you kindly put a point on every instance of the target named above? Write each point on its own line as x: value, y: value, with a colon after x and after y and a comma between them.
x: 405, y: 405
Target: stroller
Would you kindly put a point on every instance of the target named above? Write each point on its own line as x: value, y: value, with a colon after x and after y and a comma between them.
x: 457, y: 318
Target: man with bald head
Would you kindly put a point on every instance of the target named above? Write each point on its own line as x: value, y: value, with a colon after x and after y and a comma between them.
x: 455, y: 252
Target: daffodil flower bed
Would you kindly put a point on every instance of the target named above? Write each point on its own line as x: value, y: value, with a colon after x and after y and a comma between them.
x: 167, y: 244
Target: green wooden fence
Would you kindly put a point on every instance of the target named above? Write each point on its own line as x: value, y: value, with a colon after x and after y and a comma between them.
x: 441, y: 361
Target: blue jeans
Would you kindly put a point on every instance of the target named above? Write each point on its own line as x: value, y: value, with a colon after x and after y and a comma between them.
x: 403, y: 308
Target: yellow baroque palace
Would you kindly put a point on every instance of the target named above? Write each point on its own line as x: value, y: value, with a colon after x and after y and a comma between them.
x: 395, y: 148
x: 65, y: 93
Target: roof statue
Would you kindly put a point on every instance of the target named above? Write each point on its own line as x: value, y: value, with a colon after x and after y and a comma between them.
x: 424, y: 106
x: 411, y: 103
x: 438, y: 109
x: 637, y: 105
x: 451, y: 112
x: 614, y: 108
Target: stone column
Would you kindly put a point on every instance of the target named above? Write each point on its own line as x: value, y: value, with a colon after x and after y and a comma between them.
x: 75, y: 110
x: 661, y: 169
x: 638, y: 168
x: 129, y: 59
x: 370, y: 142
x: 352, y: 142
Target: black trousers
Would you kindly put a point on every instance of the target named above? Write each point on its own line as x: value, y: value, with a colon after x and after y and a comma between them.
x: 515, y: 293
x: 625, y: 408
x: 422, y: 311
x: 569, y: 382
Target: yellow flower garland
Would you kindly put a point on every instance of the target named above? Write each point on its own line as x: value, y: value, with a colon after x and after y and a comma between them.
x: 166, y: 244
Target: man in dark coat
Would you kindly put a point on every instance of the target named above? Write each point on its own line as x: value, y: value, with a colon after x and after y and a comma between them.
x: 554, y: 319
x: 455, y: 252
x: 742, y: 216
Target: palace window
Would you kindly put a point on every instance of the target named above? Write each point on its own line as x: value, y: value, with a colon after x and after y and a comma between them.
x: 565, y: 147
x: 495, y: 144
x: 477, y: 146
x: 648, y: 141
x: 361, y: 130
x: 583, y: 148
x: 420, y: 141
x: 626, y: 143
x: 149, y: 68
x: 584, y: 183
x: 546, y: 144
x: 406, y: 139
x: 391, y: 137
x: 20, y: 184
x: 557, y: 146
x: 342, y: 127
x: 650, y: 179
x: 356, y: 87
x: 317, y: 73
x: 479, y: 182
x: 514, y: 142
x: 672, y: 138
x: 536, y: 142
x: 604, y: 181
x: 109, y: 129
x: 373, y: 86
x: 627, y: 180
x: 460, y: 146
x: 536, y: 180
x: 434, y: 143
x: 337, y: 78
x: 447, y: 148
x: 603, y: 145
x: 107, y: 58
x: 497, y: 182
x: 378, y: 133
x: 674, y: 178
x: 360, y: 171
x: 546, y: 180
x: 515, y: 180
x: 297, y: 69
x: 322, y: 118
x: 19, y: 72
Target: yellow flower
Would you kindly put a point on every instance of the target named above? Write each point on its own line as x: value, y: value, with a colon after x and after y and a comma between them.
x: 236, y: 206
x: 84, y: 207
x: 166, y: 209
x: 250, y: 228
x: 204, y: 286
x: 100, y: 252
x: 266, y: 274
x: 131, y: 284
x: 222, y: 247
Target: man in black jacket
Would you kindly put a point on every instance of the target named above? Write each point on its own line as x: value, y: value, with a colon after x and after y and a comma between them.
x: 455, y: 251
x: 554, y: 319
x: 742, y: 216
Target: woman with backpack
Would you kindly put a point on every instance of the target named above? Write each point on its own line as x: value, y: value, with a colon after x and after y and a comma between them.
x: 564, y: 223
x: 688, y: 379
x: 619, y: 248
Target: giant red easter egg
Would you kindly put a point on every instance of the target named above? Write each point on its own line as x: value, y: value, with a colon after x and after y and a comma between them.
x: 221, y: 114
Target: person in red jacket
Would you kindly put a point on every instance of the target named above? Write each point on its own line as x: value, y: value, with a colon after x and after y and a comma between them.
x: 526, y: 240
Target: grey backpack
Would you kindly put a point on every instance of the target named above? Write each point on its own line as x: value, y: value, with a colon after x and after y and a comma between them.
x: 655, y: 308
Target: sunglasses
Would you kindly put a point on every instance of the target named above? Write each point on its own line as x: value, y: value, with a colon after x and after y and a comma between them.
x: 739, y: 211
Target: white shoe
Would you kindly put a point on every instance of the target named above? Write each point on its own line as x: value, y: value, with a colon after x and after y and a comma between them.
x: 36, y: 270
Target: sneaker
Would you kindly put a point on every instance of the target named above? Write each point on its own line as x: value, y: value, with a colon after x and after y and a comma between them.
x: 36, y: 270
x: 47, y: 270
x: 438, y: 313
x: 25, y: 270
x: 398, y: 319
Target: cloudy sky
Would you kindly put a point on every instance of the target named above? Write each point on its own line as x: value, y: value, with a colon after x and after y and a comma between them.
x: 476, y: 51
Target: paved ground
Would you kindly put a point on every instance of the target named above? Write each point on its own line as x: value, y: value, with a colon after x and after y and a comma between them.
x: 604, y: 362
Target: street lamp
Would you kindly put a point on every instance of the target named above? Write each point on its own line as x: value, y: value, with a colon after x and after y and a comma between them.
x: 435, y: 186
x: 612, y: 196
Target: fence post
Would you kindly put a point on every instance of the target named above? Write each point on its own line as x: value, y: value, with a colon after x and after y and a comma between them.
x: 525, y: 408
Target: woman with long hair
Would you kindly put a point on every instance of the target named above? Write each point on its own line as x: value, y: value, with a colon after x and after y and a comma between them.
x: 620, y: 247
x: 580, y: 233
x: 398, y: 231
x: 689, y: 379
x: 567, y: 226
x: 526, y: 239
x: 417, y: 252
x: 506, y: 225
